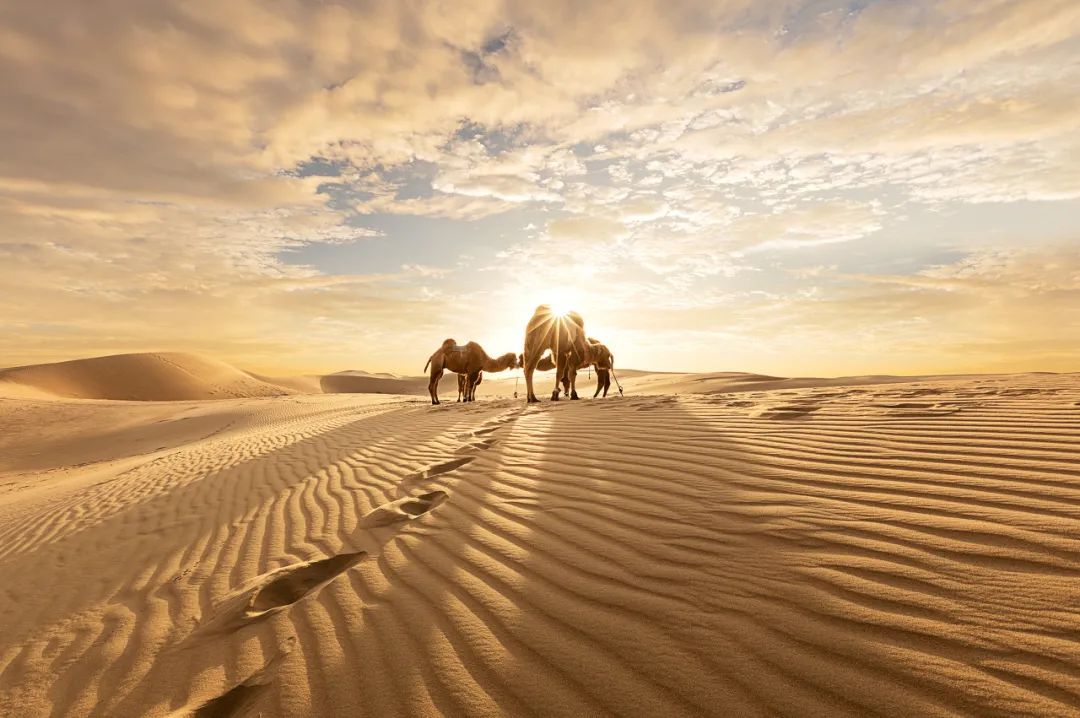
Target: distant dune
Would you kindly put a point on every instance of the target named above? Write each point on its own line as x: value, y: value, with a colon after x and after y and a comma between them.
x: 723, y: 382
x: 350, y: 382
x: 354, y: 382
x: 138, y: 377
x: 173, y: 376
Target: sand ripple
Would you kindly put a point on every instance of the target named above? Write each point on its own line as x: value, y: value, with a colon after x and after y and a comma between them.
x: 900, y: 549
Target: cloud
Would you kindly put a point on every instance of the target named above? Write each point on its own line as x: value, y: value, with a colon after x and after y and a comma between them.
x: 162, y: 157
x: 818, y: 224
x: 507, y: 188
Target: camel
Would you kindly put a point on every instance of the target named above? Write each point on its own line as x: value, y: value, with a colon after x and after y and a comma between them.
x: 469, y: 360
x: 602, y: 361
x: 564, y: 336
x: 461, y: 384
x: 604, y: 364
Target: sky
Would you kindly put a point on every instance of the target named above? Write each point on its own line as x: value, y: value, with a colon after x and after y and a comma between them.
x: 801, y: 187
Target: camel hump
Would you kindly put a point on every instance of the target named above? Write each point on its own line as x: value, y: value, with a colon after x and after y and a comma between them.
x: 448, y: 345
x: 576, y: 319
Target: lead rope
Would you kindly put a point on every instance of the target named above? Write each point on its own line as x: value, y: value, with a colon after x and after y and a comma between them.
x: 616, y: 381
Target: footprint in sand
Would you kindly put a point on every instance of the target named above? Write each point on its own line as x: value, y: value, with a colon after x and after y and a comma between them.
x: 474, y: 440
x: 275, y: 591
x: 784, y: 411
x: 244, y: 697
x: 476, y: 446
x: 478, y: 432
x: 289, y: 584
x: 439, y: 469
x: 404, y: 509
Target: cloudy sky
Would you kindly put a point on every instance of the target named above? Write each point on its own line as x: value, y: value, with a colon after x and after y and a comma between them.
x: 792, y: 187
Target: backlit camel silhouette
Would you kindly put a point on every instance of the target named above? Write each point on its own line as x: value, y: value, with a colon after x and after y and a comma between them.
x: 564, y: 337
x: 602, y: 361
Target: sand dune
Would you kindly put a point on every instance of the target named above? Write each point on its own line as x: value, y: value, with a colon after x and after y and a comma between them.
x: 727, y: 382
x: 364, y: 383
x: 139, y: 377
x: 177, y: 377
x: 873, y: 548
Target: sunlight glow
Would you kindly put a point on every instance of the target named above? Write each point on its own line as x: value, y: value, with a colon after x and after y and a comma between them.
x: 562, y: 300
x: 504, y: 322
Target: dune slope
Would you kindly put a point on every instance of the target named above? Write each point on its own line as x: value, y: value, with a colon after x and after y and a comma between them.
x: 140, y: 377
x: 172, y: 376
x: 898, y: 549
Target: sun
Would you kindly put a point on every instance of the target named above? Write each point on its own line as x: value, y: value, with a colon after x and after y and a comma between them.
x: 562, y: 300
x: 560, y: 308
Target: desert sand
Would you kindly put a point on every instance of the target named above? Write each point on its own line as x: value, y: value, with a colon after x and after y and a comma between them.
x: 716, y: 544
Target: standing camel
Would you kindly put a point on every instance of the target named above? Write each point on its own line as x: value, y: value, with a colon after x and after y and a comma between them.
x: 469, y: 360
x: 602, y: 361
x: 564, y: 336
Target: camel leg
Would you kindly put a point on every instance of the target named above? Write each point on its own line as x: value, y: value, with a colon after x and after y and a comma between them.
x: 433, y: 385
x: 599, y: 382
x: 572, y: 380
x: 470, y: 386
x: 460, y: 386
x: 561, y: 367
x: 529, y: 368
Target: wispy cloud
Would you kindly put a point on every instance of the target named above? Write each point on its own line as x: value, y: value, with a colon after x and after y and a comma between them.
x: 685, y: 166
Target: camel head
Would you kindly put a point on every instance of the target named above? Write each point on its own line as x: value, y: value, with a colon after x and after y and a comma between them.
x: 509, y: 360
x: 583, y: 353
